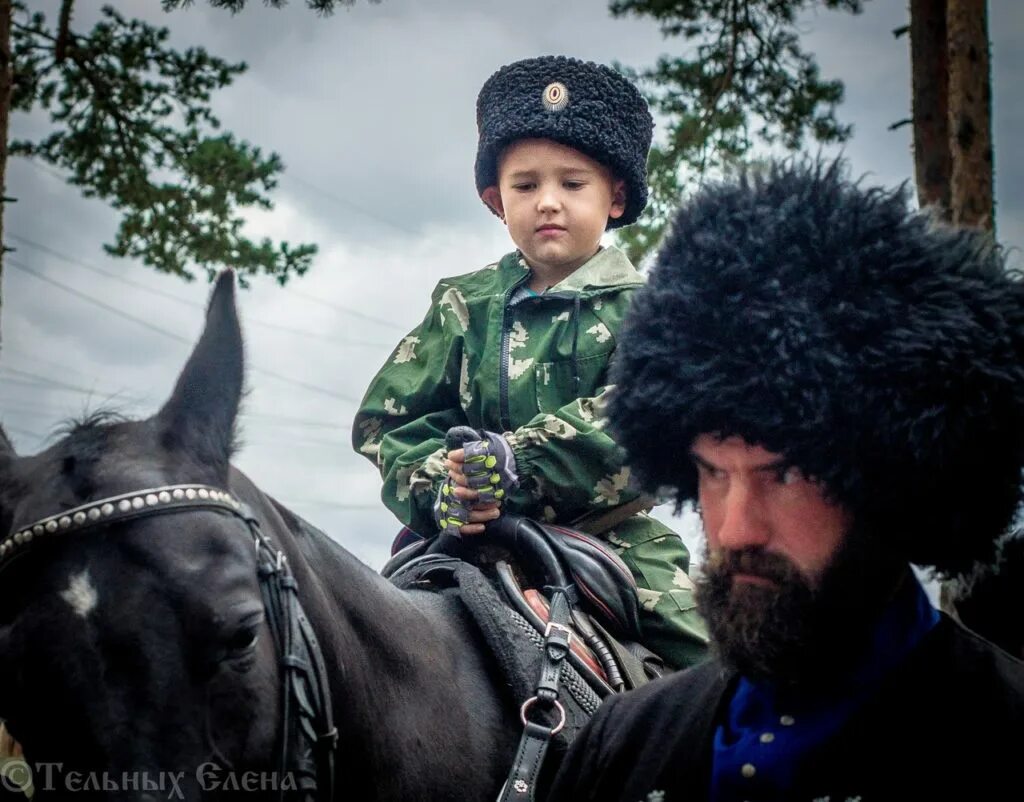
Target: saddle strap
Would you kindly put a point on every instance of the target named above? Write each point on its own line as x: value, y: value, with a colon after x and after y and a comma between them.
x: 521, y: 785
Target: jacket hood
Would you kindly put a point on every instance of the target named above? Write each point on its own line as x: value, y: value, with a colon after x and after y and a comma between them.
x: 607, y: 271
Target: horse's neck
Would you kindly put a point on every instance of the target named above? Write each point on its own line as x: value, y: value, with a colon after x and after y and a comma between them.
x: 407, y: 675
x: 358, y: 609
x: 374, y: 617
x: 374, y: 637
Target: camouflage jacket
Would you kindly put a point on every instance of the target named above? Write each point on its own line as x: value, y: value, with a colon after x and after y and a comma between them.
x: 535, y: 369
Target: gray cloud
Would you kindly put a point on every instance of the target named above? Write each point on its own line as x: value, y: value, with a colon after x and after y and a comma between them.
x: 373, y: 112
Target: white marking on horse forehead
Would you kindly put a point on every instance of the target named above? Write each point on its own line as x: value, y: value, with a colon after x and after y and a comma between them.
x: 81, y: 594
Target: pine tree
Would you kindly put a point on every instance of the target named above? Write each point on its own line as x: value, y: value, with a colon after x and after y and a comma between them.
x: 952, y: 109
x: 744, y: 79
x: 131, y: 123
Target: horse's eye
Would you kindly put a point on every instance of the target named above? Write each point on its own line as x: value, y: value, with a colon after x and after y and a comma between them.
x: 243, y: 640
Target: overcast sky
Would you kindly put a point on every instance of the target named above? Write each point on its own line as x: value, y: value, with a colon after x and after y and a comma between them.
x: 372, y: 112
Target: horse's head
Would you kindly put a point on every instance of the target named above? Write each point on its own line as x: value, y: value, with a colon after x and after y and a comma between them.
x: 138, y: 646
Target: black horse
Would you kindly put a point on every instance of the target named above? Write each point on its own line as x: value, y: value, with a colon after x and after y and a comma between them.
x: 135, y: 654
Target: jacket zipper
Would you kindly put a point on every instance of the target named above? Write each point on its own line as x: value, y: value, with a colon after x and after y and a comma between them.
x: 506, y: 333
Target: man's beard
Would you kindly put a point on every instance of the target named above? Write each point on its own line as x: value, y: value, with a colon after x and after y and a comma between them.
x: 794, y: 631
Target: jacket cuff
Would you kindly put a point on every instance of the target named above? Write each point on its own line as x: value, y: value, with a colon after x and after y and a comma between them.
x: 524, y: 466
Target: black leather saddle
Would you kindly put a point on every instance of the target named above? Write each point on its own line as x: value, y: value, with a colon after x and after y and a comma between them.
x: 552, y: 555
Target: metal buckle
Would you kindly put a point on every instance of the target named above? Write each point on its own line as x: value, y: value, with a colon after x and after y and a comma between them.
x: 553, y: 625
x: 531, y: 702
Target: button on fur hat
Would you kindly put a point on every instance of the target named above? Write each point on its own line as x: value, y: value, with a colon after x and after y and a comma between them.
x: 584, y: 105
x: 879, y: 352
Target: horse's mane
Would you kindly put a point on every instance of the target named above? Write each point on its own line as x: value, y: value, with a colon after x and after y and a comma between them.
x: 88, y: 423
x: 83, y: 442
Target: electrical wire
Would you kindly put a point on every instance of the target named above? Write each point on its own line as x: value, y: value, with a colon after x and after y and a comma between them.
x: 177, y: 337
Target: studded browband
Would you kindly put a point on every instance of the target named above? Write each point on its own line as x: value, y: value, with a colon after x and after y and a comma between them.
x: 118, y: 508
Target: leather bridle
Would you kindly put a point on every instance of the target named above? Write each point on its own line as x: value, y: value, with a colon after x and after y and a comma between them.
x: 308, y: 739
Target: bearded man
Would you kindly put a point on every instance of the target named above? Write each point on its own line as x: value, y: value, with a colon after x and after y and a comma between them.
x: 838, y: 384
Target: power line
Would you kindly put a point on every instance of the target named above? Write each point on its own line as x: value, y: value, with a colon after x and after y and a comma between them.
x: 308, y: 502
x: 49, y: 412
x: 39, y: 413
x: 44, y: 168
x: 96, y: 302
x: 23, y: 432
x: 288, y: 421
x: 344, y: 309
x: 38, y: 379
x: 304, y: 385
x: 288, y: 177
x: 33, y: 410
x: 341, y: 505
x: 34, y: 380
x: 350, y: 205
x: 114, y: 310
x: 70, y: 260
x: 37, y: 358
x: 195, y: 305
x: 309, y: 297
x: 291, y: 443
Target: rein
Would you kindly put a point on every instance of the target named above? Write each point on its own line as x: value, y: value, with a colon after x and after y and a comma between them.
x: 308, y: 738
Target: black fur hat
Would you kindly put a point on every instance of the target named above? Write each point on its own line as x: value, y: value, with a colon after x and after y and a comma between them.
x: 587, y: 106
x: 878, y: 351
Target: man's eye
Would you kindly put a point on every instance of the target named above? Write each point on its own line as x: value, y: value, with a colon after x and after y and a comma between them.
x: 707, y: 472
x: 574, y: 185
x: 522, y: 187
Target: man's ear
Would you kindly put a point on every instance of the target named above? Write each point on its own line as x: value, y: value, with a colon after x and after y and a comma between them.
x: 492, y: 197
x: 618, y: 199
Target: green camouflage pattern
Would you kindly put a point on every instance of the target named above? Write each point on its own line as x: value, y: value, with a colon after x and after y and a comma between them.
x: 660, y: 562
x: 448, y: 372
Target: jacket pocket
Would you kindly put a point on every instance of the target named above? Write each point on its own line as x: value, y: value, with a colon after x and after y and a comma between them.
x: 555, y: 385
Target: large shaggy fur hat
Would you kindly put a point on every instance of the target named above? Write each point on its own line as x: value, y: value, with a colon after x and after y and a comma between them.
x: 881, y: 353
x: 584, y: 105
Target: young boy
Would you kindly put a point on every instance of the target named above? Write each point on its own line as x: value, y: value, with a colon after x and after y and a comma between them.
x: 519, y: 350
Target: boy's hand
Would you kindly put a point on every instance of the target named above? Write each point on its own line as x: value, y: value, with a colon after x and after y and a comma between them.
x: 457, y: 510
x: 480, y: 474
x: 488, y: 465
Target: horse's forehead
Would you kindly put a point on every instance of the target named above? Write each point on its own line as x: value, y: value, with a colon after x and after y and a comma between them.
x: 184, y: 555
x: 90, y: 464
x: 165, y: 567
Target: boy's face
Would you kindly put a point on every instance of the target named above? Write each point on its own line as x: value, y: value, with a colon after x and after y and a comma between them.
x: 556, y: 203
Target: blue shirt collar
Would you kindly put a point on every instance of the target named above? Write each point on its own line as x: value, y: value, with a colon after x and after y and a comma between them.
x: 758, y: 748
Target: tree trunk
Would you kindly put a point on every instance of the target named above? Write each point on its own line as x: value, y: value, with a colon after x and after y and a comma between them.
x: 6, y: 83
x: 928, y: 63
x: 970, y: 114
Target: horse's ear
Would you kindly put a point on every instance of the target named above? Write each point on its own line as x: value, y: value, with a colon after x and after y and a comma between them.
x: 7, y: 457
x: 200, y: 415
x: 6, y: 450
